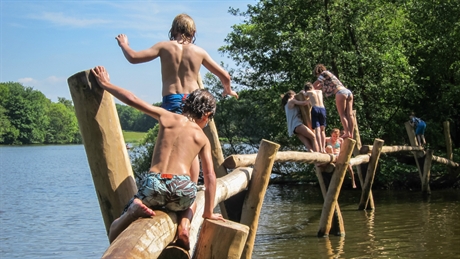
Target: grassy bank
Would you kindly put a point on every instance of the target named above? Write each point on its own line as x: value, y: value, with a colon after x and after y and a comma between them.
x: 133, y: 136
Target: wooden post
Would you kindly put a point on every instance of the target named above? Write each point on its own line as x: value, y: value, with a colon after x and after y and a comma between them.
x: 356, y: 152
x: 426, y: 173
x: 220, y: 239
x: 305, y: 111
x: 370, y: 174
x: 413, y: 142
x: 216, y: 151
x: 335, y: 186
x: 448, y: 139
x: 256, y: 192
x: 104, y: 144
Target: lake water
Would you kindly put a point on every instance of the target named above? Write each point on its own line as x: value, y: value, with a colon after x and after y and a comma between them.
x: 49, y: 209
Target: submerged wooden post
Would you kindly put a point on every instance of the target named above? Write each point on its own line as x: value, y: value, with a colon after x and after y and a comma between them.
x: 413, y: 142
x: 256, y: 192
x: 334, y: 187
x: 448, y: 139
x: 104, y: 144
x: 220, y: 239
x: 426, y: 173
x: 372, y: 167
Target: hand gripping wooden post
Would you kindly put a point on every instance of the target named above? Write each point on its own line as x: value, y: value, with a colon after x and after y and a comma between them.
x: 220, y: 239
x: 334, y: 188
x: 372, y: 167
x: 104, y: 144
x: 256, y: 192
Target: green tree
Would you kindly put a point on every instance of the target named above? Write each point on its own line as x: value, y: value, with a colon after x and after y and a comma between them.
x: 63, y: 126
x: 27, y: 111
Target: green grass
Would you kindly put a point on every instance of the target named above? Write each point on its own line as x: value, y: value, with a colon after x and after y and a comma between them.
x: 133, y: 136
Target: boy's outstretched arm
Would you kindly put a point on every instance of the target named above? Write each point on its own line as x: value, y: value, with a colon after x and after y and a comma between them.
x: 103, y: 79
x: 223, y: 75
x: 209, y: 182
x: 135, y: 57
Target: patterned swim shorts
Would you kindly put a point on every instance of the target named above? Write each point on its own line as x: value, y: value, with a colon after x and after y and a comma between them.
x: 173, y: 192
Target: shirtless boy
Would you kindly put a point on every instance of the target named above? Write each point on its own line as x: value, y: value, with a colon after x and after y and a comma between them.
x: 170, y: 183
x: 318, y: 114
x: 181, y: 61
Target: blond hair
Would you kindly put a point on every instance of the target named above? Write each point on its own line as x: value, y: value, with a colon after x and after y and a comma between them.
x: 184, y: 25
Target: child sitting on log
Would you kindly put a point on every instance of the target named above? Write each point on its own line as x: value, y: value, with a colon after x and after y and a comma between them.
x: 333, y: 144
x: 170, y: 183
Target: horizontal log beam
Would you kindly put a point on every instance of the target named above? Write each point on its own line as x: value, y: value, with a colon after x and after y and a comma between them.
x: 391, y: 149
x: 245, y: 160
x: 445, y: 161
x: 147, y: 237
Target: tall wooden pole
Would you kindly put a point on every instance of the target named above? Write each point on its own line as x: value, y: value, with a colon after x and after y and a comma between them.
x: 334, y: 187
x: 104, y: 144
x: 256, y: 192
x: 413, y: 142
x: 370, y: 174
x: 448, y: 139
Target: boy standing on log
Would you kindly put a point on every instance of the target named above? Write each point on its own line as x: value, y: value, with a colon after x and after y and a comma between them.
x: 419, y: 126
x: 318, y: 114
x: 170, y: 183
x: 181, y: 61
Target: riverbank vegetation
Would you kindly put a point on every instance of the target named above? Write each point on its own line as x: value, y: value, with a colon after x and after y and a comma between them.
x: 396, y: 58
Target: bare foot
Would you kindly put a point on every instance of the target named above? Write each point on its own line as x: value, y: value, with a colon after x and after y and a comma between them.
x: 344, y: 136
x: 137, y: 209
x: 183, y: 238
x: 354, y: 186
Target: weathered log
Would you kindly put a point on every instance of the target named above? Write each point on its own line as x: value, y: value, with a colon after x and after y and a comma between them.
x: 426, y: 173
x: 256, y: 192
x: 356, y: 153
x: 391, y: 149
x: 370, y: 174
x: 360, y: 159
x: 334, y: 188
x: 305, y: 111
x: 448, y: 139
x: 220, y: 239
x: 147, y: 237
x: 445, y: 161
x: 417, y: 154
x: 105, y: 147
x: 235, y: 161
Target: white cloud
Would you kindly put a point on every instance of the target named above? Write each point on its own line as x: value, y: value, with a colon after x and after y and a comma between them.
x: 64, y: 20
x: 27, y: 80
x: 55, y: 79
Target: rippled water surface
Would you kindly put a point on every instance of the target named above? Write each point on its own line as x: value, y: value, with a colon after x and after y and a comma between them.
x: 49, y: 209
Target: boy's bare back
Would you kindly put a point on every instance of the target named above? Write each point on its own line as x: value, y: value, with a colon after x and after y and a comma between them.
x: 315, y: 97
x: 175, y: 152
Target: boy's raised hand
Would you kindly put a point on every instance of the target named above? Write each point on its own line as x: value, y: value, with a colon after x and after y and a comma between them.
x: 122, y: 39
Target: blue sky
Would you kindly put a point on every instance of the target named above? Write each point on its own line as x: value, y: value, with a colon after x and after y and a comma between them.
x: 42, y: 43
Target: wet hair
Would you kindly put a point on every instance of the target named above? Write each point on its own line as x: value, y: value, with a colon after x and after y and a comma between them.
x: 285, y: 97
x: 319, y: 69
x: 184, y: 25
x: 198, y: 103
x: 308, y: 86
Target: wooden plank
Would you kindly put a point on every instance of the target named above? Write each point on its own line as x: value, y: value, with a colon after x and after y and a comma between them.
x: 305, y: 111
x: 426, y: 173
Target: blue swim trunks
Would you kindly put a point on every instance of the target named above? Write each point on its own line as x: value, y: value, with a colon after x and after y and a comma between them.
x: 173, y: 102
x: 158, y: 191
x: 420, y: 130
x: 318, y: 117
